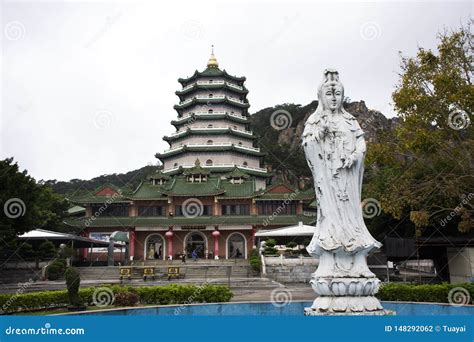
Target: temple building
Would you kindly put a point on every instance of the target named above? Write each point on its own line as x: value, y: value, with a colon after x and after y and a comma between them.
x: 213, y: 191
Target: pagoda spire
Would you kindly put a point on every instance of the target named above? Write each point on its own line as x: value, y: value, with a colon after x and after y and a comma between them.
x: 212, y: 62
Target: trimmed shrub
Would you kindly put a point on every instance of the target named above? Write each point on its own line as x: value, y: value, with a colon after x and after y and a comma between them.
x: 126, y: 299
x: 437, y: 293
x: 255, y: 262
x: 47, y: 250
x: 56, y: 269
x: 73, y: 281
x: 270, y: 243
x: 159, y: 295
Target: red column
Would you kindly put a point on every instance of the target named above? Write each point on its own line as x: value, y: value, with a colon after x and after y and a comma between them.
x: 169, y: 236
x: 131, y: 238
x: 254, y: 230
x: 84, y: 250
x: 216, y: 235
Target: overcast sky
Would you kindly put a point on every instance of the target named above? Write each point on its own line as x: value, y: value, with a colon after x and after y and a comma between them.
x: 88, y: 89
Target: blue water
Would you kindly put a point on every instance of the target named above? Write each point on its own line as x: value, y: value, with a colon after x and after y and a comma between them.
x: 268, y: 309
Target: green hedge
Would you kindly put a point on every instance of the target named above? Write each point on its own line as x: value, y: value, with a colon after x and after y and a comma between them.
x: 421, y: 293
x: 160, y: 295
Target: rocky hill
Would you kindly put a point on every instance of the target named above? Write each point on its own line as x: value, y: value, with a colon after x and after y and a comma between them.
x: 282, y: 140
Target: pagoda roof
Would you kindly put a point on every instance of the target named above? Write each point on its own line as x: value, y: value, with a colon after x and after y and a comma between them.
x: 182, y: 187
x: 237, y: 173
x: 242, y: 190
x: 225, y: 100
x: 226, y: 169
x: 142, y: 221
x: 209, y: 148
x: 224, y: 85
x: 209, y: 131
x: 211, y: 72
x: 147, y: 191
x: 158, y: 175
x: 197, y: 169
x: 207, y: 117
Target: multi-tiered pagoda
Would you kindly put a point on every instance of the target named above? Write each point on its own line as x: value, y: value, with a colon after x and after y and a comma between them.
x: 212, y: 193
x: 213, y: 126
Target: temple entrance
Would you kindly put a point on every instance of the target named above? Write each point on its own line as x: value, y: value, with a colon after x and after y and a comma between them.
x: 195, y: 242
x: 236, y: 247
x: 155, y: 247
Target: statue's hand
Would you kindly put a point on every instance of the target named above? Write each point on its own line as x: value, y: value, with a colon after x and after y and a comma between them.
x: 348, y: 162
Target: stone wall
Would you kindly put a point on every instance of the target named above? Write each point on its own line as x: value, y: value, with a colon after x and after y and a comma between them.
x: 297, y: 270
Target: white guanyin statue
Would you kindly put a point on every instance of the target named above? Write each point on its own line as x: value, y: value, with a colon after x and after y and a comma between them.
x: 334, y: 146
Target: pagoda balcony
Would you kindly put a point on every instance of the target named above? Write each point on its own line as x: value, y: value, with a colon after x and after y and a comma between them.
x: 216, y: 166
x: 207, y: 129
x: 216, y: 97
x: 207, y: 83
x: 216, y: 112
x: 239, y: 147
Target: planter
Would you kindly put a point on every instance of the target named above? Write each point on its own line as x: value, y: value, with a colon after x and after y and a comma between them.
x: 74, y: 308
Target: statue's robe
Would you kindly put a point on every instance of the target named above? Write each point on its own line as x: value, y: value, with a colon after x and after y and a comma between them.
x: 340, y: 223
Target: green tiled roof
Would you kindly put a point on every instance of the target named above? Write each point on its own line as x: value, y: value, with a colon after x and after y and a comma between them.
x: 211, y: 72
x: 212, y: 100
x: 215, y: 131
x: 197, y: 169
x: 208, y: 148
x: 182, y: 220
x: 244, y: 190
x: 182, y: 187
x: 296, y: 194
x: 147, y: 191
x: 211, y: 86
x: 236, y: 173
x: 159, y: 175
x: 207, y: 117
x: 218, y: 170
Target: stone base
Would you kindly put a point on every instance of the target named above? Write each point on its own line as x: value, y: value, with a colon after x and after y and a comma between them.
x: 312, y: 312
x: 346, y: 305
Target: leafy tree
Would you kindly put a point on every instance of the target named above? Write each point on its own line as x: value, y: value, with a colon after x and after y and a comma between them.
x: 423, y: 170
x: 25, y: 204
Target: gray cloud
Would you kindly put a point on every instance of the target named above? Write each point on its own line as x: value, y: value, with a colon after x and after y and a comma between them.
x: 88, y: 89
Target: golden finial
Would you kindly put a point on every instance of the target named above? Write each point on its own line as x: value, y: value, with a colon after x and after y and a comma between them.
x: 212, y: 63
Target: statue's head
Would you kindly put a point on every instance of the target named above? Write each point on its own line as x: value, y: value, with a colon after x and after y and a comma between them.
x: 331, y: 91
